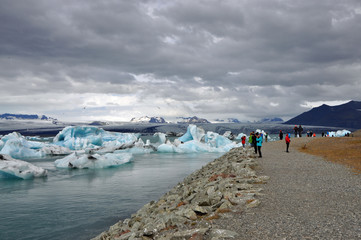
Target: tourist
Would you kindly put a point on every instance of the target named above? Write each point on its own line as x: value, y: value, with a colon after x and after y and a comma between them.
x: 296, y: 130
x: 259, y: 140
x: 266, y: 136
x: 250, y: 141
x: 288, y: 140
x: 300, y: 129
x: 254, y: 141
x: 280, y: 135
x: 243, y: 138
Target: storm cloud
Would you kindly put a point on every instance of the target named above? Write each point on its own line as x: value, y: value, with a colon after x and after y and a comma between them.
x: 114, y: 60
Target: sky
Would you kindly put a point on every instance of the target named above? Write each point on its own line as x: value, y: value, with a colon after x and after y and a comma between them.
x: 113, y: 60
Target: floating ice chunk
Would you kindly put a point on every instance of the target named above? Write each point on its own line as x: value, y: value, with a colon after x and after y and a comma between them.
x: 10, y: 167
x: 239, y: 137
x: 342, y: 133
x: 216, y: 140
x: 93, y: 161
x: 167, y: 148
x: 193, y: 133
x: 229, y: 135
x: 52, y: 150
x: 339, y: 133
x: 20, y: 149
x: 161, y: 136
x: 16, y: 146
x: 82, y: 137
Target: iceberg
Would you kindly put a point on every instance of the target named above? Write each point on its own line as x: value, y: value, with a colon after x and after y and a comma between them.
x: 13, y: 168
x: 193, y: 133
x: 93, y: 161
x: 16, y: 146
x: 162, y: 137
x: 239, y: 136
x: 195, y: 140
x: 83, y: 137
x: 339, y: 133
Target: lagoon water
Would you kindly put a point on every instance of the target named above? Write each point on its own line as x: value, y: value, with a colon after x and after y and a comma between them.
x: 79, y: 204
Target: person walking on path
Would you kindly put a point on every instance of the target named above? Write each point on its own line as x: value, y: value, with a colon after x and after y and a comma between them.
x: 254, y: 142
x: 259, y: 140
x: 280, y: 135
x: 288, y: 140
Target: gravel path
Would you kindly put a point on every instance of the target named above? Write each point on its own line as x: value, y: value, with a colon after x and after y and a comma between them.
x: 305, y: 198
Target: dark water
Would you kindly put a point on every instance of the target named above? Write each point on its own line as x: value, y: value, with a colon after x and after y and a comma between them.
x: 79, y: 204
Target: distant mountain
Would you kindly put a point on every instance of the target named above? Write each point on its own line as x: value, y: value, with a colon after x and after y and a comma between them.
x: 346, y: 115
x: 228, y: 120
x: 10, y: 116
x: 192, y: 120
x: 147, y: 119
x: 271, y: 120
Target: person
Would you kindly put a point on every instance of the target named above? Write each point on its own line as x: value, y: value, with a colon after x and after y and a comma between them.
x: 323, y: 134
x: 296, y: 130
x: 300, y: 129
x: 243, y: 138
x: 280, y: 135
x: 266, y: 136
x: 250, y: 139
x: 259, y: 140
x: 288, y: 140
x: 254, y: 141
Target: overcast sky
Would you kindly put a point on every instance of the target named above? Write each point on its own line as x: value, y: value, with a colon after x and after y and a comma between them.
x: 114, y: 60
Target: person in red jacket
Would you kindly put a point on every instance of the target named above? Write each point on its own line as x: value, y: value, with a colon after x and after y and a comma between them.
x: 288, y: 140
x: 243, y: 138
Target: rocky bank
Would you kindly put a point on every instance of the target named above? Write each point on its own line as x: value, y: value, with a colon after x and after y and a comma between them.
x: 227, y: 184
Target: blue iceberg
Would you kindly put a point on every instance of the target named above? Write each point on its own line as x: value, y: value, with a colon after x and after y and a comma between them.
x: 83, y: 137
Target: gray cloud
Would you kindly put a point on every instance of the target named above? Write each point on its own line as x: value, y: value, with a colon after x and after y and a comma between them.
x: 245, y: 59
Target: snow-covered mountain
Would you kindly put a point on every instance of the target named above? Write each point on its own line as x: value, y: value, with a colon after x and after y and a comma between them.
x: 191, y: 120
x: 147, y: 119
x: 228, y: 120
x: 272, y: 120
x: 10, y: 116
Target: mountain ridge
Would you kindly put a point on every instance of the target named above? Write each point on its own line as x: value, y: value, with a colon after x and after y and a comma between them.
x: 347, y: 115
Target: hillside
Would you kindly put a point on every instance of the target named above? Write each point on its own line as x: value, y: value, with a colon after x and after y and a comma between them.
x: 346, y: 115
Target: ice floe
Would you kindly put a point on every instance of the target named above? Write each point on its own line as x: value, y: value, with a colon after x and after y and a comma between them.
x: 93, y: 161
x: 14, y: 168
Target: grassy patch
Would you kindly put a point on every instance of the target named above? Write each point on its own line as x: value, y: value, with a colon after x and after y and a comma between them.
x: 344, y: 150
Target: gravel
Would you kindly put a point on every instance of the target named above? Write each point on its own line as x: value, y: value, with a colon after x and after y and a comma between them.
x: 305, y: 198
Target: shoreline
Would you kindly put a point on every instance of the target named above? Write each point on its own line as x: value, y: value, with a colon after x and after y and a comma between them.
x: 227, y: 184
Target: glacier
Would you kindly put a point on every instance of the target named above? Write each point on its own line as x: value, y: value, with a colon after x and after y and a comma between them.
x: 14, y: 168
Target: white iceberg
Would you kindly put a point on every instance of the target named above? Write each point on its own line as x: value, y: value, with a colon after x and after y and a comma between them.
x: 83, y: 137
x: 93, y: 161
x: 339, y: 133
x: 10, y: 167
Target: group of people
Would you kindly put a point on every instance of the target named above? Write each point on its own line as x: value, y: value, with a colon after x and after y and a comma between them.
x: 298, y: 130
x: 255, y: 140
